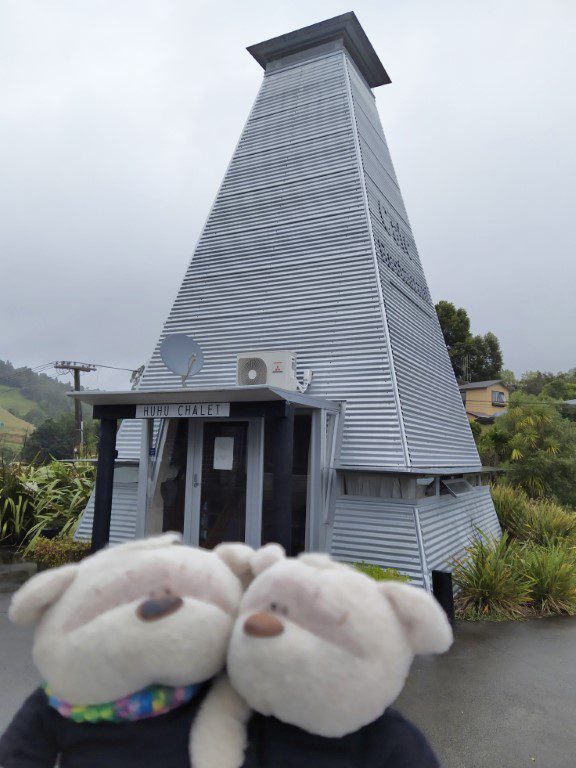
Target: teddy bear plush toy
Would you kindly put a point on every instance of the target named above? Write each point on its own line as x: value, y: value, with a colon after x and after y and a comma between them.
x: 126, y: 642
x: 319, y: 652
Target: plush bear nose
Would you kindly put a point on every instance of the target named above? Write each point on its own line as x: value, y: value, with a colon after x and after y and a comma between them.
x: 263, y: 625
x: 158, y: 607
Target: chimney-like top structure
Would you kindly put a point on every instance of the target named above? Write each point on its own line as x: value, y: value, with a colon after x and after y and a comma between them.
x: 345, y: 28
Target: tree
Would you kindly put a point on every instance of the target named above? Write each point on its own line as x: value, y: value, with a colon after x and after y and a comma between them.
x: 475, y: 358
x: 533, y: 382
x: 536, y: 446
x: 53, y: 439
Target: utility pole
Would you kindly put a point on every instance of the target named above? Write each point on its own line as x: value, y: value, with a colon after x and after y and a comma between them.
x: 76, y: 368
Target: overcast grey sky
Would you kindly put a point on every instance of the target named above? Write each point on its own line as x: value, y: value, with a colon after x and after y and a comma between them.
x: 118, y: 118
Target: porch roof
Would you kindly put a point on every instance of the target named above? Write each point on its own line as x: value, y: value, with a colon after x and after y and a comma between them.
x: 250, y: 394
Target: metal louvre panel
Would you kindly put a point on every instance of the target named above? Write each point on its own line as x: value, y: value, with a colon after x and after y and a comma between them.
x: 436, y: 427
x: 285, y: 260
x: 449, y: 523
x: 123, y: 522
x: 377, y: 531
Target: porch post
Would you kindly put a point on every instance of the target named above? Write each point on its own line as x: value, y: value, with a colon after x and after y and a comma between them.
x: 104, y: 483
x: 282, y: 460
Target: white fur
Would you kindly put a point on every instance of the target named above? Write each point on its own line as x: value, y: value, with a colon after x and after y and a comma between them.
x: 91, y: 646
x: 346, y: 649
x: 218, y: 738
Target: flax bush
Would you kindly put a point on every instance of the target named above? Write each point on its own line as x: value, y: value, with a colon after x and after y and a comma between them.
x: 551, y: 572
x: 33, y: 499
x: 489, y: 583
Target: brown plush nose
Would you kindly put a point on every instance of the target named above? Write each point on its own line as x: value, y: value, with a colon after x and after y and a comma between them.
x: 158, y: 607
x: 263, y: 625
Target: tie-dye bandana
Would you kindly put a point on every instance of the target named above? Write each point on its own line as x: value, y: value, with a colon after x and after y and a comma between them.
x: 149, y: 702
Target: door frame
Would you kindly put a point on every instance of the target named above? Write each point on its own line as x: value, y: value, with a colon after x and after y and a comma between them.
x: 254, y: 479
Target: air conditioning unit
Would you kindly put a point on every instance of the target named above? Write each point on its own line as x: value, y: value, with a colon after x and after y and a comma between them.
x: 267, y: 368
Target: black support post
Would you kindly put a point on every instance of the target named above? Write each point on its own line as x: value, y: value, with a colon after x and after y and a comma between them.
x: 444, y: 592
x: 282, y: 461
x: 104, y: 483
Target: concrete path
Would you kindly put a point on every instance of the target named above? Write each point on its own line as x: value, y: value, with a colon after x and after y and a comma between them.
x: 504, y: 697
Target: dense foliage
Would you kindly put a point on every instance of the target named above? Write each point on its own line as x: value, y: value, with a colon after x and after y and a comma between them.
x: 536, y: 446
x: 51, y: 553
x: 530, y: 571
x: 54, y: 439
x: 475, y: 358
x: 33, y: 499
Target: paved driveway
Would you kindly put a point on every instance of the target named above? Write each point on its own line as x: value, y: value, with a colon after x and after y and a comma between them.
x: 504, y: 697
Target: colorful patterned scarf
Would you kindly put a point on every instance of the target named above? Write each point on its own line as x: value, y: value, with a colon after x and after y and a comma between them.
x: 149, y: 702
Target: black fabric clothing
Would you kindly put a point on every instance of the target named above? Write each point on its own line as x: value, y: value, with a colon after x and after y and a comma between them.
x: 38, y: 735
x: 388, y: 742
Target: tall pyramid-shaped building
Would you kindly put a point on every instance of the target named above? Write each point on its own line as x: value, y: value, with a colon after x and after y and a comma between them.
x: 308, y: 248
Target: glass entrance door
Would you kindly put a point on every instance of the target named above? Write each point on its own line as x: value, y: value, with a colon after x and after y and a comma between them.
x: 220, y: 482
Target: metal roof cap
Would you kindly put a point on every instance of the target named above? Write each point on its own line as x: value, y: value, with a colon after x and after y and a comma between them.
x: 345, y: 27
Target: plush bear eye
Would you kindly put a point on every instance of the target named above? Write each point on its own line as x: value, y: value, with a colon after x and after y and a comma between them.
x: 276, y: 607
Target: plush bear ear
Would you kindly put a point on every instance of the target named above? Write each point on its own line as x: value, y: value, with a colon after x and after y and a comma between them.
x: 426, y: 625
x: 237, y: 557
x: 30, y: 601
x: 265, y: 557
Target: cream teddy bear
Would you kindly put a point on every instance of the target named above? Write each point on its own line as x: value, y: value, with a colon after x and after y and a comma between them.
x: 127, y: 642
x: 319, y: 652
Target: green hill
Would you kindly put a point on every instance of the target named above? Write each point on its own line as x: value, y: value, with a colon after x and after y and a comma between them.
x: 32, y: 396
x: 12, y: 429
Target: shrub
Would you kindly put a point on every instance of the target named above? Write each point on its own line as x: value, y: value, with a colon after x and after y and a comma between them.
x: 51, y: 553
x: 489, y: 583
x: 33, y: 498
x: 512, y: 509
x: 549, y: 523
x: 552, y: 574
x: 378, y: 573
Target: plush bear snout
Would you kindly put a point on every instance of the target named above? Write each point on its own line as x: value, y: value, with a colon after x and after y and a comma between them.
x: 158, y: 607
x: 263, y: 625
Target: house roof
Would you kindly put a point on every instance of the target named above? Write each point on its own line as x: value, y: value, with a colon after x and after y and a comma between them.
x: 345, y: 27
x: 570, y: 402
x: 480, y: 384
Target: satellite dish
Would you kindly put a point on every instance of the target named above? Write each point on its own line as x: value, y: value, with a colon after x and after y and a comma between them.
x: 182, y: 355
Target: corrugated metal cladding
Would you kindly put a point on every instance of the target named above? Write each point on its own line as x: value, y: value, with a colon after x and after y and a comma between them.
x: 308, y: 211
x: 376, y: 531
x: 383, y: 532
x: 448, y: 524
x: 436, y: 426
x: 286, y: 261
x: 123, y: 523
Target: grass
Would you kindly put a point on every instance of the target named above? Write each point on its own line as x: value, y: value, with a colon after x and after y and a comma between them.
x: 10, y: 397
x: 551, y: 572
x: 13, y: 429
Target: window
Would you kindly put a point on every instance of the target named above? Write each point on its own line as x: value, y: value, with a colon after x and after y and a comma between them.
x: 456, y: 486
x: 499, y: 399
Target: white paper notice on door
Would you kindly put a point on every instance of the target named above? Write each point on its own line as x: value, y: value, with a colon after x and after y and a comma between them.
x: 223, y: 452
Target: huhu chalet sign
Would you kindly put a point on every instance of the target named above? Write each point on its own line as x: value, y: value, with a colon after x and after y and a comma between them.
x: 182, y: 410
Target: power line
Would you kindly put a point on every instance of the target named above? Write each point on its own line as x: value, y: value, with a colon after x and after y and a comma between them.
x: 19, y: 371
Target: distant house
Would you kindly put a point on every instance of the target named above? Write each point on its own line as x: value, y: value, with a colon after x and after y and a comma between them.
x: 484, y: 400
